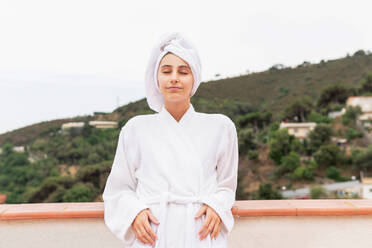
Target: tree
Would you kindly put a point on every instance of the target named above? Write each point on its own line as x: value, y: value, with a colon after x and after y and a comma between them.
x: 7, y: 149
x: 320, y: 135
x: 334, y: 173
x: 363, y: 159
x: 298, y: 110
x: 304, y: 172
x: 367, y: 83
x: 329, y: 155
x: 266, y: 192
x: 256, y: 119
x: 359, y: 53
x: 334, y: 94
x: 351, y: 114
x: 281, y: 144
x: 352, y: 133
x: 289, y: 163
x: 79, y: 193
x: 246, y: 140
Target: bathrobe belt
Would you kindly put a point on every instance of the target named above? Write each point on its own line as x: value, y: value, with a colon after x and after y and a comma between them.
x: 167, y: 197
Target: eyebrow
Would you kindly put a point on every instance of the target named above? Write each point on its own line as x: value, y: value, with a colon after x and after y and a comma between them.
x: 181, y: 66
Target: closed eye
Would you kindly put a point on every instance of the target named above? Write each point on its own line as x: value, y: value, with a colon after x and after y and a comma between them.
x: 166, y: 72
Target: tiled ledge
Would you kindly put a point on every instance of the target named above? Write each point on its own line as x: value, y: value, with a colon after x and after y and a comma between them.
x: 240, y: 209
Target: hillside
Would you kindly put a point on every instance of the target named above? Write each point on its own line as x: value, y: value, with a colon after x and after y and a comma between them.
x: 58, y: 168
x: 270, y: 90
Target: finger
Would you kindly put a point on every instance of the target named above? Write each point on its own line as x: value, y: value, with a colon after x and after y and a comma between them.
x: 219, y: 229
x: 150, y: 231
x: 205, y: 224
x: 153, y: 219
x: 201, y: 211
x: 209, y: 229
x: 145, y: 237
x: 215, y: 230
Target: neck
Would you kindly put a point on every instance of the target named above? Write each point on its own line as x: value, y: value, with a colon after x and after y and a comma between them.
x: 177, y: 109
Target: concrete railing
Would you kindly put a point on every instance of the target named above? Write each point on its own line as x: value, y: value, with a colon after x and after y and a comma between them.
x: 259, y: 223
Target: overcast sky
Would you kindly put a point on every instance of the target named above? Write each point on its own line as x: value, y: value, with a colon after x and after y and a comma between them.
x: 66, y: 58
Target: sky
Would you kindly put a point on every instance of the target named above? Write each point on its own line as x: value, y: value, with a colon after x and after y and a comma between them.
x: 61, y: 59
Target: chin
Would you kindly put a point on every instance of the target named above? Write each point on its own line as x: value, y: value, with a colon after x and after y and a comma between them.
x: 175, y: 99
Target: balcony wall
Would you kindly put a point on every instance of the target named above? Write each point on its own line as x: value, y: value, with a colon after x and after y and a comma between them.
x: 269, y: 223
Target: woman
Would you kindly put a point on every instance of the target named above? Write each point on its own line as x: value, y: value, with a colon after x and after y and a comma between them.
x: 174, y: 175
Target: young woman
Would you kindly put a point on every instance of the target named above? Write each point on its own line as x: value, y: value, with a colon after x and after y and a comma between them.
x: 174, y: 175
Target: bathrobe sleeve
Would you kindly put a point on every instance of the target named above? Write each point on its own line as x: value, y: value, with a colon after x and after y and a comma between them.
x: 227, y: 170
x: 121, y: 204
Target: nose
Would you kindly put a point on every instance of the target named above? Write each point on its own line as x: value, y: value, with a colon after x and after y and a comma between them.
x: 174, y: 78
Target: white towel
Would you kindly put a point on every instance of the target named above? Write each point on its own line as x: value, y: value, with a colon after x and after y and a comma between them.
x: 177, y: 44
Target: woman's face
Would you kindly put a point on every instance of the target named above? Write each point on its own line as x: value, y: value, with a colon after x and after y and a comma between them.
x: 175, y: 78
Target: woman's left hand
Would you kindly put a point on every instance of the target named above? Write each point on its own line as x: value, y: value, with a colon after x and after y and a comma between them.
x: 212, y: 222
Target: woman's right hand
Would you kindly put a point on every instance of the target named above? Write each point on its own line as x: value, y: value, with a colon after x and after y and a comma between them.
x: 142, y: 229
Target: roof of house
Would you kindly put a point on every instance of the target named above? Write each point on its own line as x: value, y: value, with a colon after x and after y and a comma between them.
x: 297, y: 124
x: 365, y: 102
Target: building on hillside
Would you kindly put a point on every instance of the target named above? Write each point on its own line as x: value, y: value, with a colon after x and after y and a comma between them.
x: 72, y: 127
x: 299, y: 130
x: 367, y: 187
x: 19, y: 149
x: 341, y: 142
x: 69, y: 125
x: 335, y: 114
x: 103, y: 124
x: 365, y: 103
x: 341, y: 189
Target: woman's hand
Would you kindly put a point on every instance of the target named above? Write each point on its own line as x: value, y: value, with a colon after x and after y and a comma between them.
x: 142, y: 228
x: 212, y: 222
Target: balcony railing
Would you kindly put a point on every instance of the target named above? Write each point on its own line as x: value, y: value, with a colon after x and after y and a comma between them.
x: 259, y: 223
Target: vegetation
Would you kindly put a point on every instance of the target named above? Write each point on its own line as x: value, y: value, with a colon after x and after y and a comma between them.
x: 256, y: 102
x: 318, y: 192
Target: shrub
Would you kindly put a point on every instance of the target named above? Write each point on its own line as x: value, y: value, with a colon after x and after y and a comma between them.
x: 266, y: 192
x: 352, y: 133
x: 281, y: 144
x: 253, y: 155
x: 79, y: 193
x: 334, y: 173
x: 363, y: 159
x: 303, y: 172
x: 289, y: 164
x: 319, y: 118
x: 246, y: 140
x: 329, y: 155
x: 317, y: 192
x: 351, y: 114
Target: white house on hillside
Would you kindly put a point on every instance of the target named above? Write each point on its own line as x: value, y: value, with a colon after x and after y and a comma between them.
x: 367, y: 187
x: 365, y: 103
x: 299, y: 130
x: 69, y: 125
x: 103, y: 124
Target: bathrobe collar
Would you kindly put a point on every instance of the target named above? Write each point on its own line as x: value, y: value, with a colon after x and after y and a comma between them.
x: 186, y: 116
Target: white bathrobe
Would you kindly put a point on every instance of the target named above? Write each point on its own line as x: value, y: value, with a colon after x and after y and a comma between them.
x: 172, y: 168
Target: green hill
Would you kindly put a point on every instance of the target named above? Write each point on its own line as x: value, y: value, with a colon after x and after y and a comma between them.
x: 75, y: 167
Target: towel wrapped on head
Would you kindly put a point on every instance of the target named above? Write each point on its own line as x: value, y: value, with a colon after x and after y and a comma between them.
x: 177, y: 44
